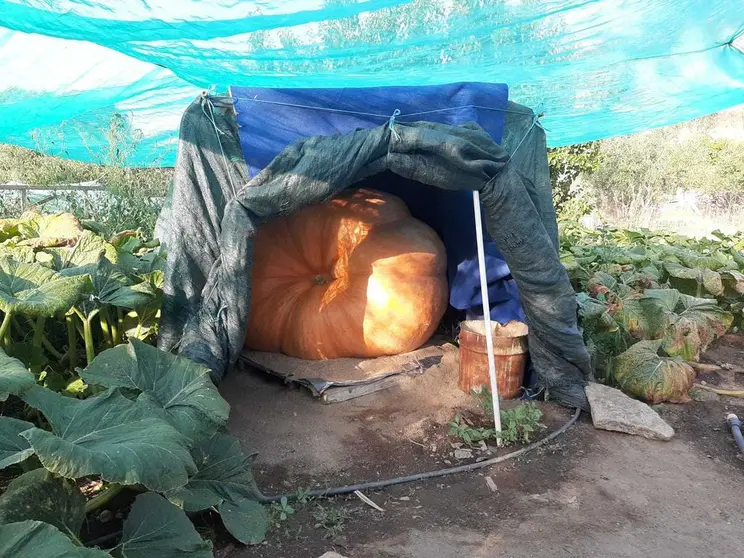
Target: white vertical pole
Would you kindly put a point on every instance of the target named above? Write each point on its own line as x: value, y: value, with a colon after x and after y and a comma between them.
x: 486, y: 311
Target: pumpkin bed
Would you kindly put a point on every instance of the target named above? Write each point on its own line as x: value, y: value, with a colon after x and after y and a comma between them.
x: 356, y: 276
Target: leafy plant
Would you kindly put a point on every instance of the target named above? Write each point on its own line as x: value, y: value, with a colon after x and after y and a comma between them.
x: 62, y: 285
x: 332, y: 519
x: 468, y: 433
x: 280, y: 512
x: 518, y: 424
x: 154, y: 424
x: 642, y: 373
x: 636, y: 286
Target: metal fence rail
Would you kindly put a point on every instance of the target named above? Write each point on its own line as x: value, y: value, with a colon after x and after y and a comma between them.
x: 24, y: 189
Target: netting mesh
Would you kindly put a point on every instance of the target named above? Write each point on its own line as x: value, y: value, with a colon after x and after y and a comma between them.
x: 594, y: 68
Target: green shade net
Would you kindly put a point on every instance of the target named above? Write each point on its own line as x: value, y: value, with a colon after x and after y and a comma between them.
x: 594, y: 68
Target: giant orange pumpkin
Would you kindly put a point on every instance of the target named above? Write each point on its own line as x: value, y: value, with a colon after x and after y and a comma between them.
x: 356, y: 276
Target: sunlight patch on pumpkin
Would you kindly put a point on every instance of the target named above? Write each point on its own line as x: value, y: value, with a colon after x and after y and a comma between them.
x: 377, y: 294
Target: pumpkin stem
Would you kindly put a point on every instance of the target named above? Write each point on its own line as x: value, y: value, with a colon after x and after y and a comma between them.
x: 320, y: 280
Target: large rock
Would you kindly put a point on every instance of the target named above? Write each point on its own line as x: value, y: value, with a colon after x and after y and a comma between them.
x: 613, y: 410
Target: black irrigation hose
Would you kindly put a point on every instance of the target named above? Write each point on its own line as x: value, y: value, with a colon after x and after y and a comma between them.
x: 399, y: 480
x: 430, y: 474
x: 735, y: 426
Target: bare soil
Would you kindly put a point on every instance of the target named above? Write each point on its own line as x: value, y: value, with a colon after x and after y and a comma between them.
x: 588, y: 493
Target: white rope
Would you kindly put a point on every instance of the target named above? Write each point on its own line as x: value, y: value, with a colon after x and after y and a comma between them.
x: 385, y: 116
x: 391, y: 125
x: 218, y: 133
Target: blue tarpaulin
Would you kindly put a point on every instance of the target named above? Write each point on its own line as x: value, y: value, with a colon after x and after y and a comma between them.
x: 271, y: 119
x: 595, y: 68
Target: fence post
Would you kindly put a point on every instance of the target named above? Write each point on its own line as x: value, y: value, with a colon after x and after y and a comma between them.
x: 24, y: 199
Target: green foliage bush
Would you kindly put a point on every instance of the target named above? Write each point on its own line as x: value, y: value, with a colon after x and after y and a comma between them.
x: 635, y: 286
x: 133, y: 416
x: 625, y: 177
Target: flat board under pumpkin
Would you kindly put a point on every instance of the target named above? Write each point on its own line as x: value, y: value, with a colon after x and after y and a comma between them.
x: 356, y: 276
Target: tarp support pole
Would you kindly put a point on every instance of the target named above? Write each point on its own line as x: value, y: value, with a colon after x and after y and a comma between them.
x: 486, y: 312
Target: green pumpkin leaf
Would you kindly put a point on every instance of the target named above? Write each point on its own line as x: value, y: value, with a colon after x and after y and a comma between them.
x: 246, y: 520
x: 24, y: 254
x: 737, y: 256
x: 699, y: 261
x: 29, y: 478
x: 128, y: 241
x: 34, y: 290
x: 601, y: 283
x: 733, y: 282
x: 712, y: 282
x: 111, y: 286
x: 223, y: 473
x: 687, y: 325
x: 176, y: 384
x: 93, y: 226
x: 711, y: 320
x: 89, y: 249
x: 15, y: 378
x: 690, y: 279
x: 140, y: 265
x: 595, y: 314
x: 569, y: 262
x: 8, y: 229
x: 111, y: 436
x: 35, y: 539
x: 39, y: 497
x: 630, y: 315
x: 682, y: 339
x: 641, y: 372
x: 155, y: 527
x: 13, y: 447
x: 61, y: 229
x: 224, y: 479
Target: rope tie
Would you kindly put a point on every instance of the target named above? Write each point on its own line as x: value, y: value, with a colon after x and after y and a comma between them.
x: 382, y: 116
x: 391, y: 125
x: 210, y: 116
x: 535, y: 122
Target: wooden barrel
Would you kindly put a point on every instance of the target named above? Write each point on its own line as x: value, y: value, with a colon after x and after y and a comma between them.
x: 510, y: 355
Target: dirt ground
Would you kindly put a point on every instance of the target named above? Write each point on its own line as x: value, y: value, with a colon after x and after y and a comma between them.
x: 588, y: 493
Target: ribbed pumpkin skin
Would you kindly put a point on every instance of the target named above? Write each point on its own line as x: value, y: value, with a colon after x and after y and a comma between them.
x: 353, y: 277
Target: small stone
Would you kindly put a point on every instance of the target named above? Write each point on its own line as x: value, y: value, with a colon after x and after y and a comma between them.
x: 404, y: 498
x: 119, y: 515
x: 105, y: 516
x: 332, y: 555
x: 447, y: 461
x: 613, y: 410
x: 463, y: 454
